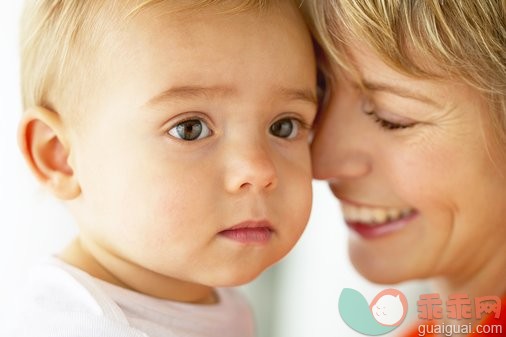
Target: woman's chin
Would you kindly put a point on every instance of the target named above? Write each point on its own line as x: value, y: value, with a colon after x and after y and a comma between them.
x: 383, y: 267
x: 380, y: 277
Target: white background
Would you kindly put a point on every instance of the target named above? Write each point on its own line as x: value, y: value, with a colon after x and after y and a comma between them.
x: 297, y: 298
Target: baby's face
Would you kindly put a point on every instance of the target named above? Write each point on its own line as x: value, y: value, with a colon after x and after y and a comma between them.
x: 194, y: 160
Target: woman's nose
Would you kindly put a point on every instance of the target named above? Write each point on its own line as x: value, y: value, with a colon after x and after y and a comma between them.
x: 338, y: 149
x: 250, y: 168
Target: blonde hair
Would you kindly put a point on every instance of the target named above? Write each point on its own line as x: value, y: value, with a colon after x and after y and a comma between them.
x: 463, y: 39
x: 61, y: 39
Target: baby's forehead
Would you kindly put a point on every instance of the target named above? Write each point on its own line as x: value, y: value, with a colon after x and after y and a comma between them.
x: 145, y: 19
x: 82, y: 39
x: 162, y: 8
x: 176, y: 42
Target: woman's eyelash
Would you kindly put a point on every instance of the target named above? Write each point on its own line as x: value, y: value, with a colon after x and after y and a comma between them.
x: 387, y: 124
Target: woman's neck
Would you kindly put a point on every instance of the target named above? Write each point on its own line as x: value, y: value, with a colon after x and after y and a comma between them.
x: 462, y: 293
x: 489, y: 278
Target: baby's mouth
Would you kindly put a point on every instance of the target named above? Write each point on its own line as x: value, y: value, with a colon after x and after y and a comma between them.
x: 249, y: 232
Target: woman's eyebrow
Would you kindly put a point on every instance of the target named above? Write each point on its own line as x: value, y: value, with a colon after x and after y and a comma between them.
x: 399, y: 91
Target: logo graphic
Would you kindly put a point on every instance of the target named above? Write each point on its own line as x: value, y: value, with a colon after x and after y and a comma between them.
x: 386, y: 312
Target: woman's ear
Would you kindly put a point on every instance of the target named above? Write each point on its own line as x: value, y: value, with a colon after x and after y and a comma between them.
x: 44, y: 146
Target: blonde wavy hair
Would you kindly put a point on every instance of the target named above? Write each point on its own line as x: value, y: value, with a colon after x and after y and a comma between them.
x: 61, y: 39
x: 463, y: 39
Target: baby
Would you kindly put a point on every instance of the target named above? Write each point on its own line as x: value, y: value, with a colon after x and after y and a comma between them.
x: 176, y: 132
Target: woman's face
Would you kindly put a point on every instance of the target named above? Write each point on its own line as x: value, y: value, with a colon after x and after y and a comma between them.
x: 421, y: 183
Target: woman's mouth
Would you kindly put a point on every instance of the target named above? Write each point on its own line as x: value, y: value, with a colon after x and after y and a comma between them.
x: 371, y: 222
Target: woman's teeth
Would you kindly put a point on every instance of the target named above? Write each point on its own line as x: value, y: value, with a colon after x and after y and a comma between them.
x: 373, y: 215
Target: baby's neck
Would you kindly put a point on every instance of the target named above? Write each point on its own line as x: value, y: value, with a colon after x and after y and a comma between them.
x: 114, y: 270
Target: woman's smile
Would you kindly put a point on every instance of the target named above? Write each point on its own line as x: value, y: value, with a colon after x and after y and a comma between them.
x: 376, y: 221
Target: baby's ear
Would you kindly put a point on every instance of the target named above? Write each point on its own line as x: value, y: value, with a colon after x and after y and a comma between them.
x: 44, y: 145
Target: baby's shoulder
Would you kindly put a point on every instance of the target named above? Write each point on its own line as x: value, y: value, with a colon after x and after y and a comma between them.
x: 53, y: 287
x: 59, y: 300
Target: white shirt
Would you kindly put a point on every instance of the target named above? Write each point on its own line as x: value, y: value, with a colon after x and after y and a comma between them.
x: 63, y: 301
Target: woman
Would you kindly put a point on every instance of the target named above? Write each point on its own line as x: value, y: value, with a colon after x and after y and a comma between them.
x: 412, y: 140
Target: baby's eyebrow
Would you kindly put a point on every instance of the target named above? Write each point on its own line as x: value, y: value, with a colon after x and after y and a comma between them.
x: 197, y: 91
x: 188, y: 92
x: 293, y: 94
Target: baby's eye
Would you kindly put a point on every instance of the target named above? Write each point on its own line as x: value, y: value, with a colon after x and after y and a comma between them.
x: 192, y: 129
x: 285, y: 128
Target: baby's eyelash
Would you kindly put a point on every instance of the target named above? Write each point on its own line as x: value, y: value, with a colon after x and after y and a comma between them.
x: 303, y: 124
x: 387, y: 124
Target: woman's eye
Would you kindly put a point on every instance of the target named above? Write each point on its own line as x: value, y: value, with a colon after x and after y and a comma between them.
x: 192, y: 129
x: 387, y: 124
x: 285, y: 128
x: 369, y: 109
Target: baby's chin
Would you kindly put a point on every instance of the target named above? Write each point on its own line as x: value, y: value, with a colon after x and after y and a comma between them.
x: 237, y: 273
x: 232, y: 277
x: 237, y: 278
